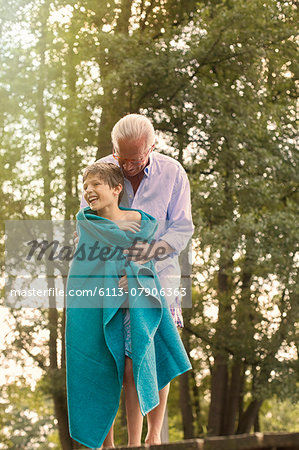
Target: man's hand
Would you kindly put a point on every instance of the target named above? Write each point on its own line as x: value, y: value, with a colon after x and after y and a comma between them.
x: 123, y: 283
x: 142, y: 252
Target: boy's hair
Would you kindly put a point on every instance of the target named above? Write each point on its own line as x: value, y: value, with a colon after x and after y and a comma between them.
x: 110, y: 173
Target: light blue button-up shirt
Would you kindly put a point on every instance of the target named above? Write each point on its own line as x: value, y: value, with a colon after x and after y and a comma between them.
x: 164, y: 193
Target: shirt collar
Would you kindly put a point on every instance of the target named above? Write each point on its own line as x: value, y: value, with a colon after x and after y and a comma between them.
x: 148, y: 168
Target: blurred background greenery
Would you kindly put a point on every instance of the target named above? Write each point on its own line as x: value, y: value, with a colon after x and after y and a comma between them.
x: 217, y: 79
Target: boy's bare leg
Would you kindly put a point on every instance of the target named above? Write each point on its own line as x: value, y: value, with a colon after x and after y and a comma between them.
x: 134, y: 416
x: 109, y: 439
x: 155, y: 419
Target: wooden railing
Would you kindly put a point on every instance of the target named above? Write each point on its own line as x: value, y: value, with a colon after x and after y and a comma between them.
x: 265, y: 441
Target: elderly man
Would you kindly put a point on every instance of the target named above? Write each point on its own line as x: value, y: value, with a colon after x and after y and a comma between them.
x: 158, y: 185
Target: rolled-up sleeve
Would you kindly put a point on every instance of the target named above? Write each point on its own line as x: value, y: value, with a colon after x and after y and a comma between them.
x: 179, y: 219
x: 83, y: 202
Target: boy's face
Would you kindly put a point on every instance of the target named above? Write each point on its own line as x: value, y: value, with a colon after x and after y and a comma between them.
x: 98, y: 194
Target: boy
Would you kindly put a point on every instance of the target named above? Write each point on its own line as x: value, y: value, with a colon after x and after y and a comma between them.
x: 103, y: 188
x: 103, y: 185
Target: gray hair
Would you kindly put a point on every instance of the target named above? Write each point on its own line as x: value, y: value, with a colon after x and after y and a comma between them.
x: 133, y: 127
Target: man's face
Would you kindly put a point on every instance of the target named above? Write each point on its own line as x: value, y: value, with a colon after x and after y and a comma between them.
x: 133, y: 155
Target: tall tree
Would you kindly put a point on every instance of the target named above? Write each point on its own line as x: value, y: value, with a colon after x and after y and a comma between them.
x: 217, y: 79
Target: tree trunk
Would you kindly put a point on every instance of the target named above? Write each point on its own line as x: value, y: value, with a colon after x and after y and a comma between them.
x: 57, y: 388
x: 218, y: 394
x: 241, y: 398
x: 256, y: 425
x: 219, y: 375
x: 108, y: 120
x: 233, y: 399
x: 196, y: 405
x: 249, y: 416
x: 71, y: 202
x: 114, y: 105
x: 60, y: 408
x: 186, y: 407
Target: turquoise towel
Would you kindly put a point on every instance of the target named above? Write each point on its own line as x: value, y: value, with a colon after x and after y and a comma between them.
x: 94, y: 329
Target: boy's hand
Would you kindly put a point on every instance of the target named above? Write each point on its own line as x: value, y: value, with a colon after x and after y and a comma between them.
x: 123, y: 283
x: 128, y: 225
x: 75, y: 238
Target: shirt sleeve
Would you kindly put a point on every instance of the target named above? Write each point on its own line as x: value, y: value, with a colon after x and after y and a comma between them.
x: 179, y: 219
x: 83, y: 202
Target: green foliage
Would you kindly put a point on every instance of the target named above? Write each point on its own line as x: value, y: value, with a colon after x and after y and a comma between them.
x: 217, y: 79
x: 279, y: 415
x: 27, y: 418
